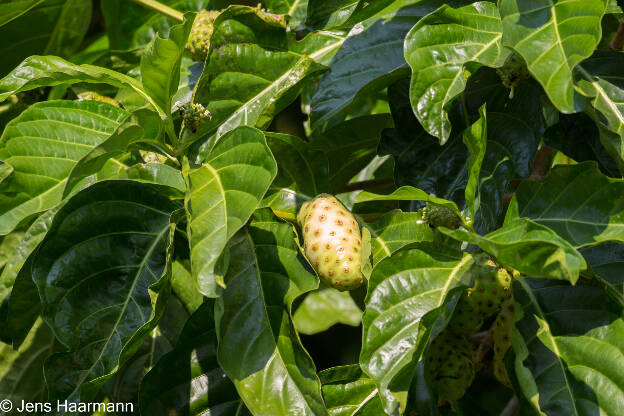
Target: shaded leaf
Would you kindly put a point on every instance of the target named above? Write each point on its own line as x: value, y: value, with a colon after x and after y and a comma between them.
x: 475, y: 139
x: 348, y: 392
x: 99, y: 272
x: 324, y: 308
x: 221, y: 196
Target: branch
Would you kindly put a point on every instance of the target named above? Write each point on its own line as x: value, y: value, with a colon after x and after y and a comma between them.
x: 617, y: 44
x: 486, y: 340
x: 161, y: 8
x: 366, y: 185
x: 542, y: 163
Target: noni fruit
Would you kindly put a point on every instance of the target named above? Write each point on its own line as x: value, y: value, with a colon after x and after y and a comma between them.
x: 491, y: 288
x: 198, y: 43
x: 449, y: 363
x: 332, y: 242
x: 439, y: 216
x: 192, y: 114
x: 513, y: 71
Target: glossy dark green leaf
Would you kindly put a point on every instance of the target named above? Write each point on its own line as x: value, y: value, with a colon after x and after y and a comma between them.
x: 221, y: 196
x: 395, y: 230
x: 14, y: 9
x: 578, y: 202
x: 528, y: 247
x: 606, y: 261
x: 188, y: 380
x: 349, y: 392
x: 302, y: 174
x: 370, y: 59
x: 42, y: 145
x: 100, y: 272
x: 324, y: 308
x: 600, y: 78
x: 21, y: 371
x: 44, y: 71
x: 258, y: 345
x: 553, y: 37
x: 438, y: 48
x: 349, y: 147
x: 250, y: 74
x: 160, y: 64
x: 405, y: 296
x: 568, y: 349
x: 51, y: 27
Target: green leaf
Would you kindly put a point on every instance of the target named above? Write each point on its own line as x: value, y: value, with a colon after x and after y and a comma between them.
x: 600, y: 79
x: 405, y: 296
x: 185, y: 287
x: 370, y: 59
x: 296, y: 9
x: 395, y: 230
x: 258, y: 345
x: 221, y: 196
x: 250, y: 75
x: 160, y: 64
x: 475, y: 139
x: 8, y: 245
x: 48, y: 71
x: 606, y: 261
x: 325, y: 308
x: 553, y: 37
x: 568, y: 348
x: 49, y: 27
x: 348, y: 392
x: 578, y: 202
x: 349, y: 147
x: 100, y: 272
x: 42, y: 145
x: 302, y: 174
x: 438, y: 49
x: 142, y: 125
x: 528, y: 247
x: 21, y: 370
x: 188, y: 380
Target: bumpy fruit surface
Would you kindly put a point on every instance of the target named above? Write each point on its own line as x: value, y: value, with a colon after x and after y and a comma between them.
x: 192, y: 114
x: 198, y: 43
x: 332, y: 242
x: 439, y: 216
x: 513, y: 71
x: 500, y: 332
x: 491, y: 288
x: 450, y: 365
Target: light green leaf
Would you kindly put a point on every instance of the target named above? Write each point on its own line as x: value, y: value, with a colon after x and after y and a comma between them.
x: 258, y: 346
x: 324, y: 308
x: 475, y: 139
x: 528, y: 247
x: 42, y: 145
x: 348, y: 392
x: 438, y: 49
x: 221, y: 196
x: 553, y: 37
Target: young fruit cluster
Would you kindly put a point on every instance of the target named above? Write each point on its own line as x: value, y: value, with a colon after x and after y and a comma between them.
x: 513, y: 71
x: 198, y: 43
x: 439, y: 216
x: 192, y: 114
x: 450, y: 367
x: 332, y: 242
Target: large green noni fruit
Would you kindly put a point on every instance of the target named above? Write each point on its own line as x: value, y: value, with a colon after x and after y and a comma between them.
x: 332, y: 242
x: 449, y: 363
x: 198, y: 43
x: 500, y: 333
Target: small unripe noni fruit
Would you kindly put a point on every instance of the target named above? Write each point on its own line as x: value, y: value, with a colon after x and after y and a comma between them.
x: 492, y: 287
x: 449, y: 363
x: 198, y: 43
x: 513, y: 71
x: 439, y: 216
x: 332, y: 242
x: 500, y: 333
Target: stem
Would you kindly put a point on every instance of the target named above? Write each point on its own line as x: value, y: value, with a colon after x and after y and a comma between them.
x: 617, y: 44
x: 512, y: 407
x: 366, y: 185
x: 161, y: 8
x: 484, y: 346
x: 542, y: 163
